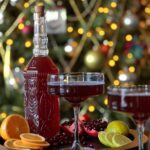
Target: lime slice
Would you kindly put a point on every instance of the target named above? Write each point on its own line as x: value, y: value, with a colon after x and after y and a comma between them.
x: 108, y: 138
x: 101, y: 136
x: 120, y: 140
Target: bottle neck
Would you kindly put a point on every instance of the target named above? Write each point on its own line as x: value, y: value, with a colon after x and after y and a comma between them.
x: 40, y: 39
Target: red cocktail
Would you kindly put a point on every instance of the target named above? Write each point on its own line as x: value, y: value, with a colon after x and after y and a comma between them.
x: 76, y: 92
x: 76, y: 87
x: 134, y: 100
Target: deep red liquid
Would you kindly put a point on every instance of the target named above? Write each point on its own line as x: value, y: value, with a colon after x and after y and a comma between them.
x: 41, y: 109
x: 137, y: 105
x: 76, y: 92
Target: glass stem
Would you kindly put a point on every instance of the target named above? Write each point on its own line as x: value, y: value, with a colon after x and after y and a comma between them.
x: 140, y: 128
x: 76, y: 143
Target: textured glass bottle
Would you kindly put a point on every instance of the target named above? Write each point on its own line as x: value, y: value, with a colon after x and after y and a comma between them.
x: 41, y: 109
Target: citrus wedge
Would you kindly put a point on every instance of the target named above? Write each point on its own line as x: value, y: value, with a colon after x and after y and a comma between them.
x: 108, y: 138
x: 31, y: 137
x: 12, y: 126
x: 120, y: 140
x: 101, y: 136
x: 21, y: 145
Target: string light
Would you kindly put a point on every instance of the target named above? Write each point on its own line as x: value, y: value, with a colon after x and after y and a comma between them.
x: 105, y: 42
x: 113, y: 4
x: 91, y: 108
x: 12, y: 81
x: 101, y: 32
x: 70, y: 29
x: 89, y: 34
x: 3, y: 115
x: 128, y: 37
x: 80, y: 30
x: 131, y: 69
x: 1, y: 17
x: 116, y: 82
x: 147, y: 10
x: 9, y: 42
x: 130, y: 55
x: 20, y: 26
x: 123, y: 77
x: 21, y: 60
x: 106, y: 10
x: 13, y: 2
x: 28, y: 44
x: 106, y: 101
x: 115, y: 57
x: 68, y: 48
x: 110, y: 43
x: 114, y: 26
x: 74, y: 44
x: 100, y: 9
x: 111, y: 63
x: 1, y: 34
x: 26, y: 5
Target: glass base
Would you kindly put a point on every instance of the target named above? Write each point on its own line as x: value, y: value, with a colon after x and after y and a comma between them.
x: 79, y: 148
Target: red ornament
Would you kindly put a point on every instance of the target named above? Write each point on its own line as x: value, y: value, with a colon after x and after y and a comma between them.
x: 27, y: 29
x: 21, y: 20
x: 104, y: 49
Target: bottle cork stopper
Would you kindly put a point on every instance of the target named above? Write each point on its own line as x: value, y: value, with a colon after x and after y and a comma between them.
x: 39, y: 8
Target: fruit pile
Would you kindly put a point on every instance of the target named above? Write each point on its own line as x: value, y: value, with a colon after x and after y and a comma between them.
x: 115, y: 134
x: 16, y: 133
x: 28, y: 141
x: 87, y: 129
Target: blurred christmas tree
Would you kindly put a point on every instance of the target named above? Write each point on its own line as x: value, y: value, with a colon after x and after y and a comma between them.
x: 109, y: 36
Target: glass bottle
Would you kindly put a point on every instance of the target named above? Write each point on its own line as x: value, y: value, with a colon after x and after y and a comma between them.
x: 41, y: 109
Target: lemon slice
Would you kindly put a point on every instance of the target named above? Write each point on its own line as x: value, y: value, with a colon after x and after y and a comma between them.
x: 118, y: 126
x: 120, y: 140
x: 108, y: 138
x: 101, y: 137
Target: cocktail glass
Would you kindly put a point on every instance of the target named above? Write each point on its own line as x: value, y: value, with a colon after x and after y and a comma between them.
x: 133, y: 99
x: 75, y: 88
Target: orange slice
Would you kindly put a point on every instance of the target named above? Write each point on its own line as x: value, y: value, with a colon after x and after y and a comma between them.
x: 10, y: 145
x: 31, y: 144
x: 21, y: 145
x: 13, y: 125
x: 31, y: 137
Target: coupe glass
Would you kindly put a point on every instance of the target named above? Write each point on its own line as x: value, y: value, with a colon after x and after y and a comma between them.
x: 134, y: 100
x: 75, y: 88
